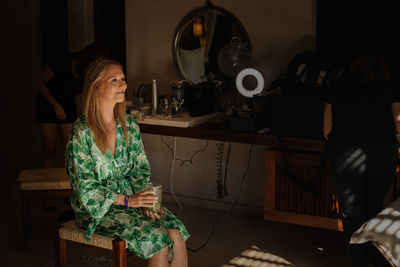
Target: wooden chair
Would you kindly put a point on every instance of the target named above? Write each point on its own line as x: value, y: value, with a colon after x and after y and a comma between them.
x: 72, y: 232
x: 30, y: 184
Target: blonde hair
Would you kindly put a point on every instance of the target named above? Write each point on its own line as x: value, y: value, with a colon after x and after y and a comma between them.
x: 91, y: 102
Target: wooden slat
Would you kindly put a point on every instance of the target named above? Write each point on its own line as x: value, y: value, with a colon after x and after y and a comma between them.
x: 19, y: 221
x: 119, y: 253
x: 61, y: 259
x: 269, y: 184
x: 305, y: 166
x: 303, y: 219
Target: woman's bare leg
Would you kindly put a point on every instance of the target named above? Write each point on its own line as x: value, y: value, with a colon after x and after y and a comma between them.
x: 65, y: 130
x: 48, y: 134
x: 180, y: 252
x: 159, y: 260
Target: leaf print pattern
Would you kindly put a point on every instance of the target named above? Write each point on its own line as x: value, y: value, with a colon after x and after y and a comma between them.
x: 96, y: 179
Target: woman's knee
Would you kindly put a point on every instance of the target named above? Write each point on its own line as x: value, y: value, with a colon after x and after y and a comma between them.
x: 162, y: 254
x: 176, y: 236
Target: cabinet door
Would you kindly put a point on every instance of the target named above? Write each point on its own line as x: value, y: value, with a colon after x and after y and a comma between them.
x: 286, y: 201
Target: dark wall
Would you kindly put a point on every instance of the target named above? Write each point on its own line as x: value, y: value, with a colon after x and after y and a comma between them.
x: 19, y: 24
x: 109, y: 27
x: 349, y: 26
x: 54, y: 29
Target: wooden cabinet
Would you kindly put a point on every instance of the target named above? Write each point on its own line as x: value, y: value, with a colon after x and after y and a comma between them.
x: 285, y: 201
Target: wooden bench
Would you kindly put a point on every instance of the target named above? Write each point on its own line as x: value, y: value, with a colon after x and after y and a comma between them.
x: 43, y: 183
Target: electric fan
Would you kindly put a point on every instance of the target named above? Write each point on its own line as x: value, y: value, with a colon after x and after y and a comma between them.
x: 233, y: 57
x: 234, y: 61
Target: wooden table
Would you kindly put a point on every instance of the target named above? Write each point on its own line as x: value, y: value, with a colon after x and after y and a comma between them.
x: 283, y: 200
x: 214, y: 133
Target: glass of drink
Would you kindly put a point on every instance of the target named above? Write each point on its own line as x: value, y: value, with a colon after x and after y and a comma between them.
x: 157, y: 191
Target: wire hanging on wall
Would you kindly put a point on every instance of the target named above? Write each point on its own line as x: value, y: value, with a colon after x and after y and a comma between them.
x: 231, y: 208
x: 220, y: 156
x: 183, y: 161
x: 226, y: 168
x: 222, y: 190
x: 173, y: 159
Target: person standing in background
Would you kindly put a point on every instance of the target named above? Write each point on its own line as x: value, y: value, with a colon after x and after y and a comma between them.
x: 361, y: 118
x: 58, y: 83
x: 57, y: 86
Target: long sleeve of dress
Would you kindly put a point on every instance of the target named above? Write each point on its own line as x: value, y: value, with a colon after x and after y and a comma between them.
x: 140, y: 169
x: 93, y: 196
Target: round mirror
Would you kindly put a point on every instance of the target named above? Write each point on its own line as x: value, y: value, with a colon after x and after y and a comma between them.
x: 199, y: 39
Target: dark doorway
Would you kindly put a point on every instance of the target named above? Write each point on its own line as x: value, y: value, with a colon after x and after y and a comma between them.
x: 109, y: 27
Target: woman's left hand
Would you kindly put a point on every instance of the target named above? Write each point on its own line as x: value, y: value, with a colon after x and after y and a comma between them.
x: 152, y: 215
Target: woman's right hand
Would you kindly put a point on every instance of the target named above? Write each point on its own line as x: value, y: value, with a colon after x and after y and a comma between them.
x: 60, y: 113
x: 144, y: 199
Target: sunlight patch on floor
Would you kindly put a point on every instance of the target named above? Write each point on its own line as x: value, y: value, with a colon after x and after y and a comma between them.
x: 255, y: 257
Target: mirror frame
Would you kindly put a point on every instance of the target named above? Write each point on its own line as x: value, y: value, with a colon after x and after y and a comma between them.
x: 187, y: 19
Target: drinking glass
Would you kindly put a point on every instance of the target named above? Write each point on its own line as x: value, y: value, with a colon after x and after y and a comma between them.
x: 157, y: 191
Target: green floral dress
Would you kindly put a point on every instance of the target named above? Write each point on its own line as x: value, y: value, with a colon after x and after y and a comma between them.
x: 96, y: 179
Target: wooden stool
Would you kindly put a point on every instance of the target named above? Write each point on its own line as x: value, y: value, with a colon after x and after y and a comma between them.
x: 41, y: 183
x: 72, y: 232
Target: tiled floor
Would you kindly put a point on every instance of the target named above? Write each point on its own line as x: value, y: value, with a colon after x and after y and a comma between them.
x: 238, y: 240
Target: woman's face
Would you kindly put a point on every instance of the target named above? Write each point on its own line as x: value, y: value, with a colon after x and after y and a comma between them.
x: 113, y: 85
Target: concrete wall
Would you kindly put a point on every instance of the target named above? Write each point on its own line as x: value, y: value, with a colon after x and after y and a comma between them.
x: 277, y: 31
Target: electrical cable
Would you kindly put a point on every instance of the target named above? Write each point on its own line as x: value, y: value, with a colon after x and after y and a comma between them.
x: 183, y: 161
x: 171, y: 175
x: 226, y: 168
x: 173, y: 159
x: 230, y: 209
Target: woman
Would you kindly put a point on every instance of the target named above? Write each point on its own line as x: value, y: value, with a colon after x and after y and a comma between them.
x: 360, y: 121
x: 108, y: 169
x: 58, y: 83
